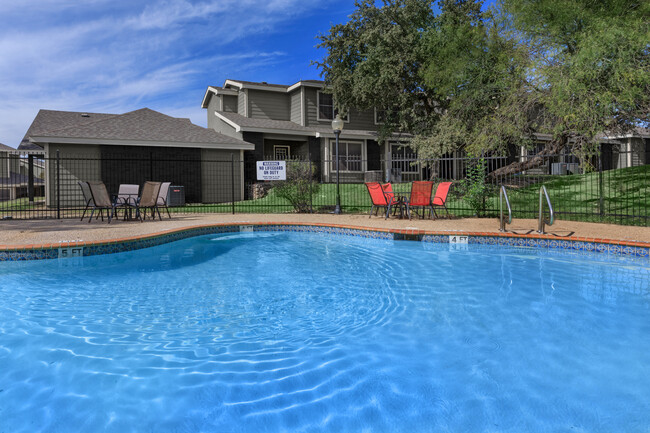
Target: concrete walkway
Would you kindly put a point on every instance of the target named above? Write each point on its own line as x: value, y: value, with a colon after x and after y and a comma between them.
x: 39, y: 232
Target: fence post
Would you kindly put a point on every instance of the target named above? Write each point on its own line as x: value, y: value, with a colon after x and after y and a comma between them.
x: 58, y: 185
x: 601, y: 198
x: 232, y: 181
x: 30, y: 175
x: 311, y: 180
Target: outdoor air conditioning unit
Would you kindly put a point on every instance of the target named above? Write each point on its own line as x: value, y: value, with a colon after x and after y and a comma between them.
x: 558, y: 168
x: 573, y: 167
x: 176, y: 196
x: 562, y: 168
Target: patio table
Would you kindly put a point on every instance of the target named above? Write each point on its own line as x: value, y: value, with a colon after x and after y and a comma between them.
x: 130, y: 202
x: 401, y: 204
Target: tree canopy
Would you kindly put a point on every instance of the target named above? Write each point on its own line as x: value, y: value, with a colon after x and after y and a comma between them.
x: 375, y: 60
x: 461, y: 76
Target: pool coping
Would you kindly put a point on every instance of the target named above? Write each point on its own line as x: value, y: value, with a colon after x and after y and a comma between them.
x: 117, y: 245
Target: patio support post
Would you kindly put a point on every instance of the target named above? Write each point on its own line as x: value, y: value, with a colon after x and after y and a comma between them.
x: 232, y: 181
x: 337, y: 126
x: 311, y: 180
x: 30, y: 175
x: 58, y: 185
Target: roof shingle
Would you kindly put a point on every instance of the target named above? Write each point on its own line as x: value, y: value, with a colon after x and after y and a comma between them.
x: 143, y: 125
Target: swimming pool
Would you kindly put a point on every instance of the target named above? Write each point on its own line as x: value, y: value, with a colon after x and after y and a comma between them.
x: 305, y: 332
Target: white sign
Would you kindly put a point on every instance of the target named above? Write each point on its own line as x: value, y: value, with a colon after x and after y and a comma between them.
x: 453, y: 239
x: 271, y: 170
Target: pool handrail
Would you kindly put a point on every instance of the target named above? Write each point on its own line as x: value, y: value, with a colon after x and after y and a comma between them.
x: 542, y: 222
x: 502, y: 194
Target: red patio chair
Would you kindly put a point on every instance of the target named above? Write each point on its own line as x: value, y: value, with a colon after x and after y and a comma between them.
x: 388, y: 191
x: 421, y: 197
x: 440, y: 198
x: 379, y: 197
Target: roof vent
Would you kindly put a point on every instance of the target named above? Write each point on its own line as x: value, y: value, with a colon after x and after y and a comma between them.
x: 85, y: 115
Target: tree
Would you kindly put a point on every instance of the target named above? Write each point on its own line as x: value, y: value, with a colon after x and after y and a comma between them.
x: 375, y: 59
x: 480, y: 73
x: 488, y: 80
x: 441, y: 77
x: 593, y: 63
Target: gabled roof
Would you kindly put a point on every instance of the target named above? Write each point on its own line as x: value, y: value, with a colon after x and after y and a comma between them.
x: 255, y: 85
x: 5, y: 147
x: 243, y: 123
x: 246, y: 124
x: 143, y: 127
x: 215, y: 90
x: 48, y: 120
x: 229, y: 86
x: 307, y: 83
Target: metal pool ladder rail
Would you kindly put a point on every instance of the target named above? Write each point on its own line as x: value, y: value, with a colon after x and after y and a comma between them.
x: 542, y: 222
x: 502, y: 194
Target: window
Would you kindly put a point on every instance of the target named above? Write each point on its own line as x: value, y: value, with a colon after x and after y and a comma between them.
x: 281, y: 153
x: 326, y: 110
x: 349, y: 156
x: 380, y: 116
x: 403, y: 158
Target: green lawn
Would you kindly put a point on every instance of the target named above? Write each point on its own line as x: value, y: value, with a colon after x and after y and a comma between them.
x: 625, y: 192
x: 574, y: 197
x: 22, y: 204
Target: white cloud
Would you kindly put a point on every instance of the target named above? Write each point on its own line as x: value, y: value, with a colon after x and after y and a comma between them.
x: 110, y: 56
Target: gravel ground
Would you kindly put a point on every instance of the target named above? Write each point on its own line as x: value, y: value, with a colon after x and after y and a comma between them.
x: 38, y: 232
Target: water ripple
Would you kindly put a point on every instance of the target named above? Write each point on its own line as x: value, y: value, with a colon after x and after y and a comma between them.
x: 309, y: 333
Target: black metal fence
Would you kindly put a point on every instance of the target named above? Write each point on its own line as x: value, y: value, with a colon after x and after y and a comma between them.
x: 611, y: 187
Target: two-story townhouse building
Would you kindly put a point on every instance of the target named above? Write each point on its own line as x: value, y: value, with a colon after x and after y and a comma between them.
x: 295, y: 121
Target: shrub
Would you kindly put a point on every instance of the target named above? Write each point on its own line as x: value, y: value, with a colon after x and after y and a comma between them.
x: 299, y: 186
x: 476, y: 189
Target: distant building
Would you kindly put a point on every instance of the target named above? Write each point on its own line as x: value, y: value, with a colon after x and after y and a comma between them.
x: 295, y: 121
x: 134, y: 147
x: 14, y: 174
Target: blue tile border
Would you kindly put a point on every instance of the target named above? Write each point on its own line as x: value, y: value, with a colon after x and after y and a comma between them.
x: 623, y: 249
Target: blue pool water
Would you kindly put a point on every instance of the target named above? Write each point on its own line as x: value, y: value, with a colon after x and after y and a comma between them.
x: 294, y: 332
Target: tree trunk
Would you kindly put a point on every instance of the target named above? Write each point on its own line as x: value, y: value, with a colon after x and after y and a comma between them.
x: 552, y: 148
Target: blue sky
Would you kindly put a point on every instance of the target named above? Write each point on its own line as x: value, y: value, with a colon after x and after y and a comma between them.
x: 113, y: 56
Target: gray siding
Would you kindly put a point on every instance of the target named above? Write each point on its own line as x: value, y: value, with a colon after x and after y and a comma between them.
x: 220, y: 126
x: 230, y: 103
x: 86, y: 168
x: 364, y: 120
x: 268, y: 105
x: 241, y: 103
x: 637, y: 147
x: 311, y: 107
x: 4, y: 164
x: 296, y: 113
x: 216, y: 176
x: 213, y: 106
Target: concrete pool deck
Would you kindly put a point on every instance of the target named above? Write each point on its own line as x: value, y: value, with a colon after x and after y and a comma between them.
x: 34, y: 233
